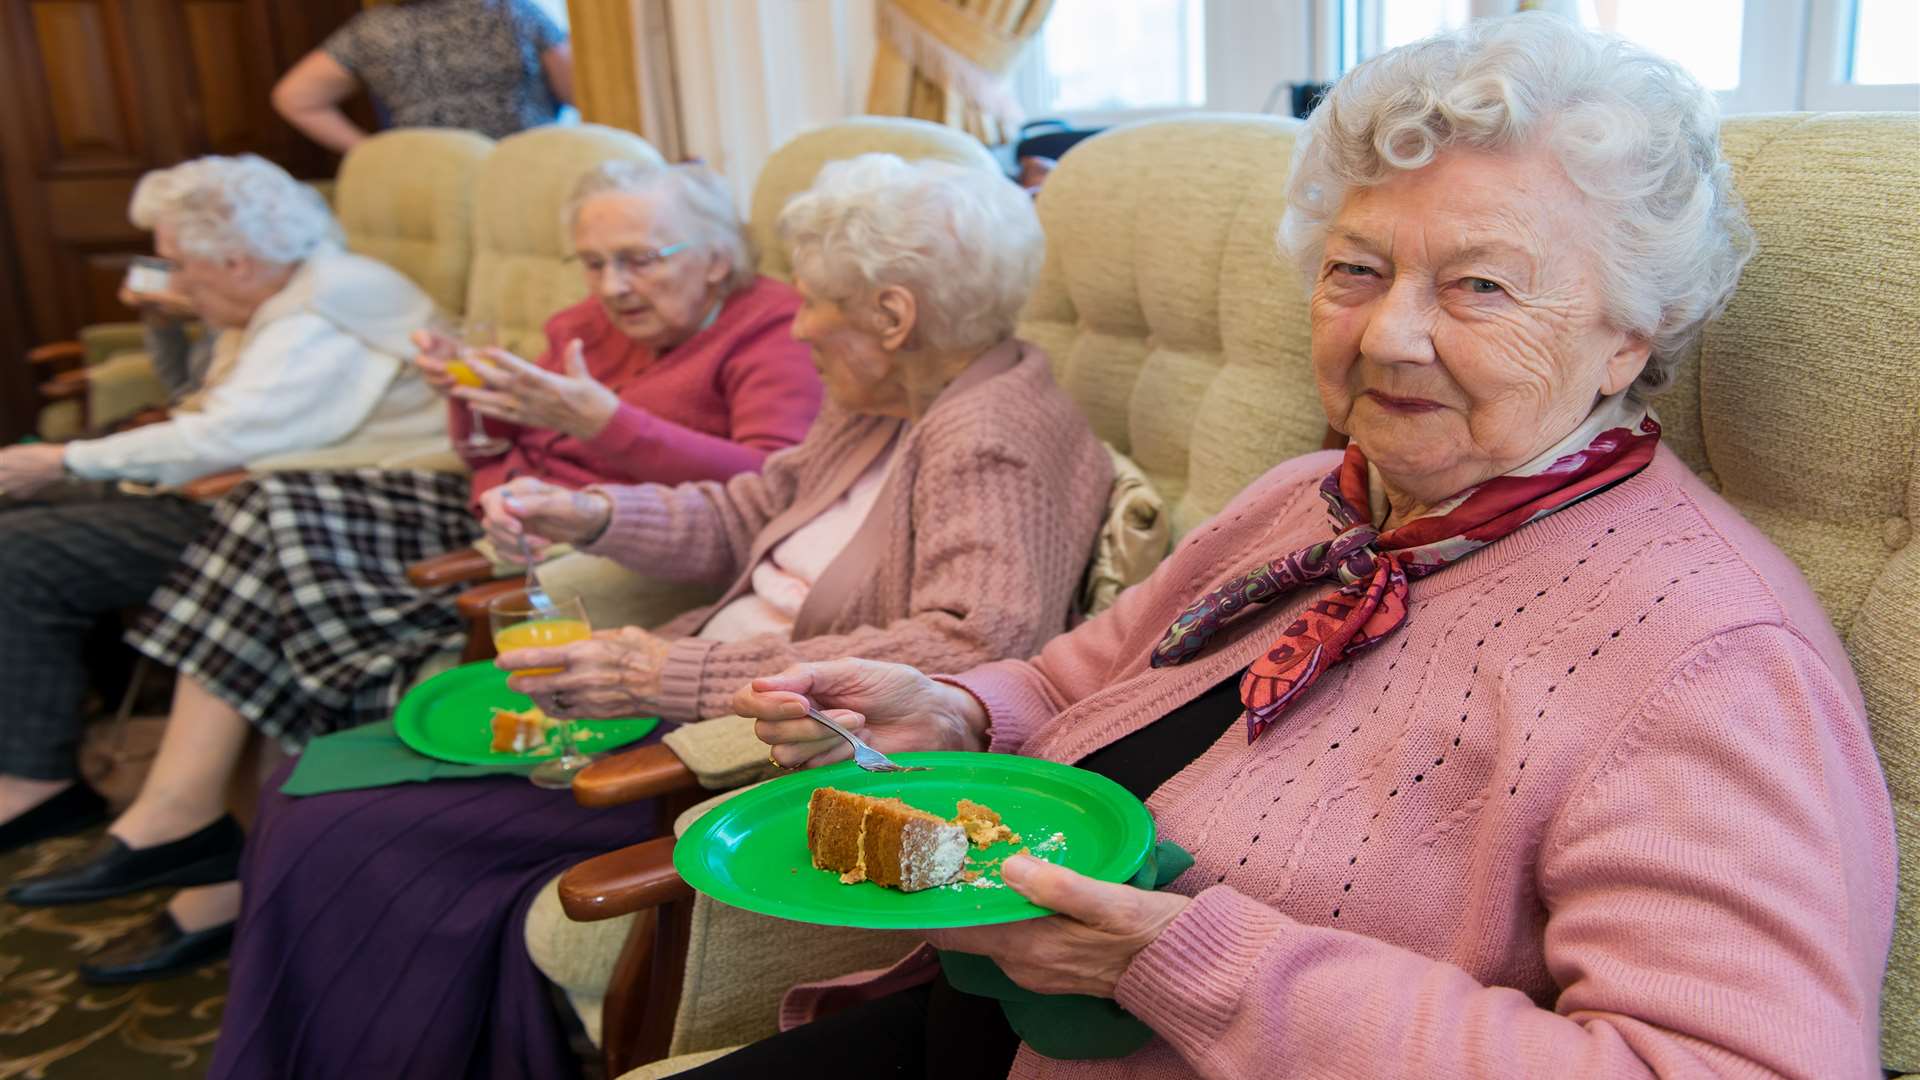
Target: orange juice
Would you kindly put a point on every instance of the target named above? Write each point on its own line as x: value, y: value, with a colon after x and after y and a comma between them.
x: 463, y: 374
x: 541, y: 633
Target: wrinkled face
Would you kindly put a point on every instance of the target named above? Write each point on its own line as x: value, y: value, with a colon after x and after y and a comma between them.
x: 658, y: 302
x: 860, y: 373
x: 1458, y: 328
x: 219, y: 290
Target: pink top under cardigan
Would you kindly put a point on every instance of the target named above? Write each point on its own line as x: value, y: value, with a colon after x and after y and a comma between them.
x: 713, y: 406
x: 1605, y: 807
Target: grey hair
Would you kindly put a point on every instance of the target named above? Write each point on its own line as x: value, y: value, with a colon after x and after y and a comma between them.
x: 964, y: 240
x: 1632, y: 130
x: 703, y: 207
x: 246, y: 205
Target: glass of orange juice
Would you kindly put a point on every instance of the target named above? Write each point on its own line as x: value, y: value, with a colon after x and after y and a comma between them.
x: 476, y: 336
x: 520, y: 623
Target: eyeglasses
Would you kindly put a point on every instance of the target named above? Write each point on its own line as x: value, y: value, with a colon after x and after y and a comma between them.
x: 627, y: 264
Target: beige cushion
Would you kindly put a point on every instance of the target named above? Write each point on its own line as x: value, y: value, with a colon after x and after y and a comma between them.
x: 617, y: 596
x: 1801, y: 409
x: 792, y: 168
x: 674, y: 1066
x: 1131, y: 542
x: 1167, y: 312
x: 405, y: 197
x: 122, y: 385
x: 518, y: 281
x: 722, y: 752
x: 393, y: 455
x: 577, y: 957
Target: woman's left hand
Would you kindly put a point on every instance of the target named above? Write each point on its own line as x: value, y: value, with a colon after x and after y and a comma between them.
x: 615, y: 673
x: 26, y: 469
x: 1082, y: 950
x: 574, y: 403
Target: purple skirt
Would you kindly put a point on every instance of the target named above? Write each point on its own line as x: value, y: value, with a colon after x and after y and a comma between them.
x: 382, y: 931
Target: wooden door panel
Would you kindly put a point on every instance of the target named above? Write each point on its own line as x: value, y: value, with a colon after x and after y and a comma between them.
x: 85, y: 114
x: 230, y: 83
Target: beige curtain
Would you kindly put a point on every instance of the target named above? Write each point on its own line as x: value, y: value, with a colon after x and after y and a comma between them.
x: 947, y: 61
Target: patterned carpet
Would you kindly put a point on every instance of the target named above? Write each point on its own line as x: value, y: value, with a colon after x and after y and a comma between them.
x: 55, y: 1027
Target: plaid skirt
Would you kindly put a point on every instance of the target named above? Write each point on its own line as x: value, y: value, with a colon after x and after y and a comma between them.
x: 295, y: 606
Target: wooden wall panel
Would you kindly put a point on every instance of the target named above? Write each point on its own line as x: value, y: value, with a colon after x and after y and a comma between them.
x: 85, y: 97
x: 225, y: 75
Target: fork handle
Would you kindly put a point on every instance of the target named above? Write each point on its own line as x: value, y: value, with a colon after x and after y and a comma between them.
x: 822, y: 719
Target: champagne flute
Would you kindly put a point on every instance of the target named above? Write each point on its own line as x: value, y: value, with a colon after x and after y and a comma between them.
x: 520, y: 623
x: 476, y: 336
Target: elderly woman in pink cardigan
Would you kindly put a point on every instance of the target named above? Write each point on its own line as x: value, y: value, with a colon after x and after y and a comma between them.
x: 940, y: 512
x: 1504, y: 747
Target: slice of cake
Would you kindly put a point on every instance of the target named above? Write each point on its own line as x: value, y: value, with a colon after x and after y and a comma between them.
x: 984, y: 827
x: 519, y: 732
x: 884, y: 841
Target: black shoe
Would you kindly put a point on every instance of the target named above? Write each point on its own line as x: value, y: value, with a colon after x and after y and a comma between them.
x: 157, y: 950
x: 75, y: 808
x: 112, y: 868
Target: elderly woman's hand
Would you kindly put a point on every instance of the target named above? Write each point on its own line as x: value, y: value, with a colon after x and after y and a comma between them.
x: 574, y: 404
x: 26, y: 469
x: 543, y: 513
x: 436, y: 349
x: 1082, y: 950
x: 892, y: 707
x: 615, y: 673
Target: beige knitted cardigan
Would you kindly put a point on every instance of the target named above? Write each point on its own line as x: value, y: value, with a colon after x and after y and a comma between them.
x: 970, y: 553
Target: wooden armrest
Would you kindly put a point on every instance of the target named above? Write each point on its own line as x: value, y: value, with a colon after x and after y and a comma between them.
x: 622, y: 882
x: 60, y: 352
x: 452, y: 568
x: 473, y: 603
x: 67, y: 384
x: 632, y: 775
x: 209, y: 488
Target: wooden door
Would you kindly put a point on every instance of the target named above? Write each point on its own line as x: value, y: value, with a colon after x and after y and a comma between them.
x: 103, y: 91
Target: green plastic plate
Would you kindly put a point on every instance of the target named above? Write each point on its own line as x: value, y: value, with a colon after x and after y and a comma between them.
x: 450, y: 717
x: 751, y: 851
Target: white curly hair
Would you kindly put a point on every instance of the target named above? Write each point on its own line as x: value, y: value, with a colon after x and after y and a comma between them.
x: 224, y: 206
x: 1632, y: 130
x: 963, y: 240
x: 701, y: 202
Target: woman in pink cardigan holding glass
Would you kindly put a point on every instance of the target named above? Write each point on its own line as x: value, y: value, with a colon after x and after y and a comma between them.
x: 1504, y: 747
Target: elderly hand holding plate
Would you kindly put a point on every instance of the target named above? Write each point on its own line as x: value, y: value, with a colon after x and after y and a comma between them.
x: 613, y: 674
x: 893, y: 707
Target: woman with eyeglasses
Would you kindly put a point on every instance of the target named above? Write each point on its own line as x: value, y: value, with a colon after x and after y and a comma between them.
x: 293, y: 613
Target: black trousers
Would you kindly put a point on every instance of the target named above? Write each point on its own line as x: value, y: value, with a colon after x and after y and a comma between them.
x: 931, y: 1032
x: 68, y: 557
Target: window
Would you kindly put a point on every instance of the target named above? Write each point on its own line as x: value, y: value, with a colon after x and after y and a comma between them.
x: 1092, y: 61
x: 1756, y: 55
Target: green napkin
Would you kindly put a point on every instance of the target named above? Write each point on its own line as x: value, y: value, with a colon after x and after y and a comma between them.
x: 1068, y: 1027
x: 373, y: 756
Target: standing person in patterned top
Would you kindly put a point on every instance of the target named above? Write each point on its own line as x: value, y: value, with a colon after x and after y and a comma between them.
x: 491, y: 66
x: 293, y: 613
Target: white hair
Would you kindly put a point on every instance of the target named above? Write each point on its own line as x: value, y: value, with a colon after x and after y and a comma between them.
x: 701, y: 204
x: 1632, y: 130
x: 963, y: 240
x: 224, y: 206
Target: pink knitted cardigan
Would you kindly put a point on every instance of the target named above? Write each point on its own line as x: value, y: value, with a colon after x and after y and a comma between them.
x: 971, y: 551
x: 1605, y: 806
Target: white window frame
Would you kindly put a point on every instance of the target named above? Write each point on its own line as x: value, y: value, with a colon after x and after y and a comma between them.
x: 1238, y: 78
x: 1825, y: 86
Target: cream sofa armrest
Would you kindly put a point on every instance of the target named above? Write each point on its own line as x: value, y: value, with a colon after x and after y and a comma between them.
x: 674, y: 1066
x: 616, y: 596
x: 722, y: 752
x: 438, y: 457
x: 347, y: 456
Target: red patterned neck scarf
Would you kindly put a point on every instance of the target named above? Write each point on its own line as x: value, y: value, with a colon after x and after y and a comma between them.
x: 1374, y: 567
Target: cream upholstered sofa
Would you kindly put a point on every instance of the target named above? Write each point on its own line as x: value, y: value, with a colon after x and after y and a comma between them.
x: 1177, y: 326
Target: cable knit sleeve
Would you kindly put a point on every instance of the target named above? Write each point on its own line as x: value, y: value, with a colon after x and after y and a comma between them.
x: 993, y: 571
x: 1720, y: 904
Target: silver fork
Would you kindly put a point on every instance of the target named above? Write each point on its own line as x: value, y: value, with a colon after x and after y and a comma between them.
x: 536, y: 595
x: 863, y: 755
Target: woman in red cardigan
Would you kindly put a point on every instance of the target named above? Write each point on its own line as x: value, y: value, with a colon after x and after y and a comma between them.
x: 294, y: 615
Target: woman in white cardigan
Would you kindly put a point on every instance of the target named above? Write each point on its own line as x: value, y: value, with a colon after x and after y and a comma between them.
x: 312, y: 350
